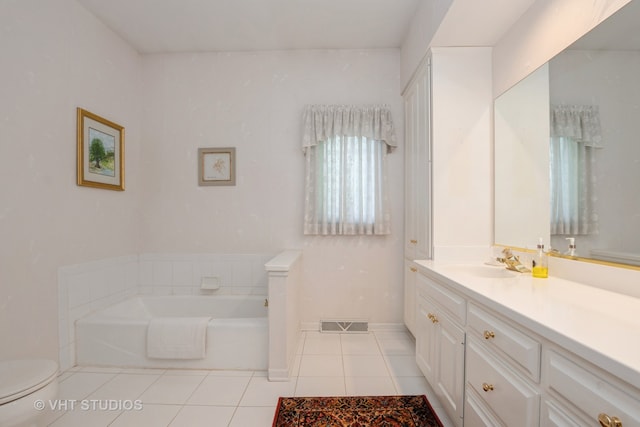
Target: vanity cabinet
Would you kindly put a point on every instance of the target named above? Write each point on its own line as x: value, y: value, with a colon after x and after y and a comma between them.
x: 440, y: 340
x: 487, y: 369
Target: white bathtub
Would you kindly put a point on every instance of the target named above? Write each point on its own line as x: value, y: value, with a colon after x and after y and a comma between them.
x: 237, y: 335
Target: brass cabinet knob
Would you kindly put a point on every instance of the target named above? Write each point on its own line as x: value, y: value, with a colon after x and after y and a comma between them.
x: 607, y: 421
x: 487, y: 387
x: 414, y: 241
x: 413, y: 269
x: 489, y: 334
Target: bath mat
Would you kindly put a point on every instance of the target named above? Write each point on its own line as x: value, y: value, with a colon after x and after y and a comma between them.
x: 370, y: 411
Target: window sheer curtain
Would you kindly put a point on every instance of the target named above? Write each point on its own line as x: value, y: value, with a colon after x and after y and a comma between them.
x: 345, y: 150
x: 575, y: 134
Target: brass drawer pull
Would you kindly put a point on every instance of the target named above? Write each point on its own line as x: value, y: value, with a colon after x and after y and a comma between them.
x: 607, y: 421
x: 489, y: 334
x: 413, y: 269
x: 414, y: 241
x: 432, y: 317
x: 487, y: 387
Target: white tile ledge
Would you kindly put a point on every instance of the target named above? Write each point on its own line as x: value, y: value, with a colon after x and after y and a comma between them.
x: 283, y: 261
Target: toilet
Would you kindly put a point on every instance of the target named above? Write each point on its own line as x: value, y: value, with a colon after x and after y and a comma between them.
x: 26, y: 389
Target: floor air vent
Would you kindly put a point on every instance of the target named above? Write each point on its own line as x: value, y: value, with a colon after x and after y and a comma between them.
x: 342, y: 326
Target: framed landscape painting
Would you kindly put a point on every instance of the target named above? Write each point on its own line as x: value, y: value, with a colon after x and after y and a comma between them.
x: 217, y: 166
x: 100, y: 152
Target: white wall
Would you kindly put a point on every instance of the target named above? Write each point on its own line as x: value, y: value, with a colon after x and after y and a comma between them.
x: 461, y: 132
x: 56, y: 57
x: 423, y: 27
x: 254, y: 102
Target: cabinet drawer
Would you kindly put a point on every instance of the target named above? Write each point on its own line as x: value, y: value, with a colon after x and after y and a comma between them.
x: 590, y: 393
x: 516, y: 345
x: 447, y: 299
x: 514, y: 401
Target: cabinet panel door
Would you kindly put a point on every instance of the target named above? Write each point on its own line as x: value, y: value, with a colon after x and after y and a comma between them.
x: 422, y: 183
x: 450, y: 372
x: 425, y: 339
x: 410, y: 163
x: 410, y: 296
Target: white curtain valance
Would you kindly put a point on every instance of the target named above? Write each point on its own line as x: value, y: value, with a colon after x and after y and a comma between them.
x: 578, y: 122
x: 322, y: 122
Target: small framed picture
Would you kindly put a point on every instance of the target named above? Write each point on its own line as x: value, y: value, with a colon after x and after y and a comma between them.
x: 217, y: 166
x: 100, y: 152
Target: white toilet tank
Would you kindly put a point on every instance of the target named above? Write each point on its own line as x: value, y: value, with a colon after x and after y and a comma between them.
x: 22, y: 383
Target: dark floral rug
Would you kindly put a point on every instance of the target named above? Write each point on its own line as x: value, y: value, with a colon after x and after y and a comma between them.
x: 355, y: 411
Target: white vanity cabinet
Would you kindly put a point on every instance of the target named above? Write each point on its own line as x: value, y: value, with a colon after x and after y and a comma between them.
x: 440, y: 340
x: 520, y: 365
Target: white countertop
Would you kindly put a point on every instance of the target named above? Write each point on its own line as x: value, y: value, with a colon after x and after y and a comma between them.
x: 601, y: 326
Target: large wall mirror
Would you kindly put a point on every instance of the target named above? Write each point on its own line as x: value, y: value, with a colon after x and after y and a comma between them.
x: 567, y: 148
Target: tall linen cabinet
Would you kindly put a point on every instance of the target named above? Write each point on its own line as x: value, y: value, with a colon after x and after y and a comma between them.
x: 417, y: 217
x: 448, y: 203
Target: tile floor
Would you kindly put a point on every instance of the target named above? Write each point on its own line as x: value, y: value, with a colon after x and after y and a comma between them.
x: 377, y: 363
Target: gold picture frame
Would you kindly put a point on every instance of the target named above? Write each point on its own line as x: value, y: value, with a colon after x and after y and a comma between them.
x: 217, y: 166
x: 100, y: 152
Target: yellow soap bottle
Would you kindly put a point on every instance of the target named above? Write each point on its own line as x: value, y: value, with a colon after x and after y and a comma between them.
x: 540, y: 264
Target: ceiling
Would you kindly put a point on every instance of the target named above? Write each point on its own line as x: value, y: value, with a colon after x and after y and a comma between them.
x: 155, y: 26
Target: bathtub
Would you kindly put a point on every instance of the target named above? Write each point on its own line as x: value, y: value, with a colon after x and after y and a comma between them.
x: 236, y: 336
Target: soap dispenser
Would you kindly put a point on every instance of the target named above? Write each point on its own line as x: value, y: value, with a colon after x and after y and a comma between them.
x: 540, y: 264
x: 572, y: 247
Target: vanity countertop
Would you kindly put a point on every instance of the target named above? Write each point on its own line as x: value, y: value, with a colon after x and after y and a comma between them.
x: 601, y: 326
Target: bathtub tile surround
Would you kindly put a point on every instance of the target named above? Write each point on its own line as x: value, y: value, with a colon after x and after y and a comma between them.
x: 180, y: 274
x: 84, y: 288
x: 245, y: 398
x: 87, y: 287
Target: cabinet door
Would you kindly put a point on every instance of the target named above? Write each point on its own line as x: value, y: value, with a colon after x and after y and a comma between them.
x: 417, y: 101
x: 410, y: 154
x: 410, y: 272
x: 422, y: 184
x: 426, y: 339
x: 449, y: 382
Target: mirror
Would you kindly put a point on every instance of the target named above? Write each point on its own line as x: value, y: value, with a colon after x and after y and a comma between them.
x: 567, y: 151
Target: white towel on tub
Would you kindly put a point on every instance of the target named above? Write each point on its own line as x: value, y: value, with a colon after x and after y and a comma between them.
x: 177, y: 337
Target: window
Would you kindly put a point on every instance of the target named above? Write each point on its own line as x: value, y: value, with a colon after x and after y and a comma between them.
x: 345, y: 181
